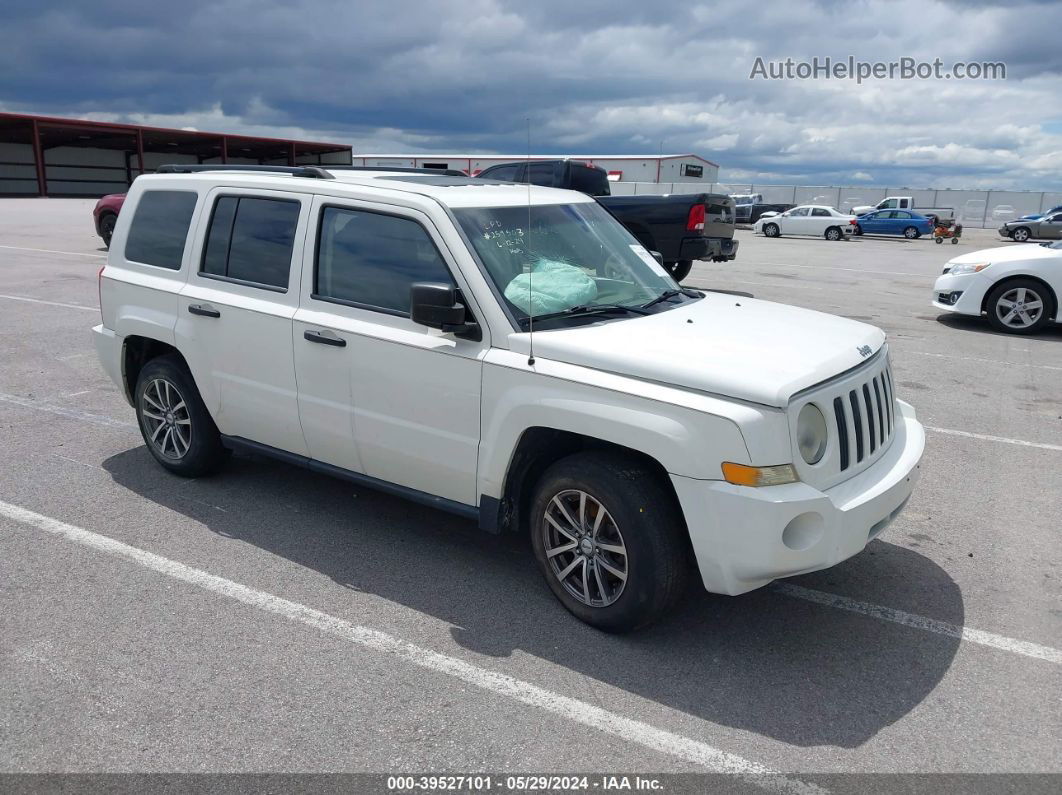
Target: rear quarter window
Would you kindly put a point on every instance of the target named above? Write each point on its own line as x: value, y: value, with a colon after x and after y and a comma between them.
x: 159, y: 230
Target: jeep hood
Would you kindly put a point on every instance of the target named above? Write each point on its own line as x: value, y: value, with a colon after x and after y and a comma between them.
x: 722, y: 344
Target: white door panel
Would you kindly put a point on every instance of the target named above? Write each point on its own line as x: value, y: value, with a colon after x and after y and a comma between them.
x: 246, y: 357
x: 238, y: 340
x: 398, y: 401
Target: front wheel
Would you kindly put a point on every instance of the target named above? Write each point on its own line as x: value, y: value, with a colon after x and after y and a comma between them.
x: 177, y: 428
x: 939, y: 240
x: 771, y: 230
x: 609, y: 540
x: 833, y: 233
x: 1021, y: 234
x: 1021, y: 306
x: 679, y: 270
x: 911, y: 233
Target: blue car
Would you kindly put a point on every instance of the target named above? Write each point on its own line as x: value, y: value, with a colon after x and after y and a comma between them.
x: 1038, y: 216
x: 894, y: 222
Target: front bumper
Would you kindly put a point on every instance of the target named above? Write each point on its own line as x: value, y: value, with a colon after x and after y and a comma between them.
x: 717, y: 249
x: 743, y: 538
x: 972, y: 288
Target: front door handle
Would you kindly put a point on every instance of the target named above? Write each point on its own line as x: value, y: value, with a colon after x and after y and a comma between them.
x: 204, y: 310
x: 325, y: 338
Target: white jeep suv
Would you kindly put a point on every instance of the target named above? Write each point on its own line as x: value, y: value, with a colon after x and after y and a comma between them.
x: 509, y: 353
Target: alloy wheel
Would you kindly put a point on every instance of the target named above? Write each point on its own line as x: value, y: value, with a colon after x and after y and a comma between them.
x: 1019, y: 308
x: 166, y: 419
x: 584, y: 548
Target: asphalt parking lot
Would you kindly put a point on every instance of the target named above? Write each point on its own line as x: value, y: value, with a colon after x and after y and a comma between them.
x: 269, y: 619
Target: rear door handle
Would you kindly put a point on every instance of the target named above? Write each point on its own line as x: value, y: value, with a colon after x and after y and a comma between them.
x: 325, y: 338
x: 205, y: 310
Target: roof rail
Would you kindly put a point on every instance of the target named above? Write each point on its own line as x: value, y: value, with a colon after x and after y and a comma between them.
x: 445, y: 172
x: 315, y: 172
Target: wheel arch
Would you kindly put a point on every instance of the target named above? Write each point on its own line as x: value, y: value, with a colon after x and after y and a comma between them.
x: 137, y: 351
x: 1011, y: 277
x: 539, y: 448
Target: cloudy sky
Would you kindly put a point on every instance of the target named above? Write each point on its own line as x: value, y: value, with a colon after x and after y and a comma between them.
x: 593, y: 76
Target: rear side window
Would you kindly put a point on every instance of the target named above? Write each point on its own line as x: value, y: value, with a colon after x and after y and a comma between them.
x: 820, y: 211
x: 371, y: 260
x: 250, y: 240
x: 160, y: 228
x: 541, y: 174
x: 591, y: 181
x: 506, y: 172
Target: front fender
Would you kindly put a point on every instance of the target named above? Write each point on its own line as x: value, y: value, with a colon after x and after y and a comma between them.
x: 516, y: 397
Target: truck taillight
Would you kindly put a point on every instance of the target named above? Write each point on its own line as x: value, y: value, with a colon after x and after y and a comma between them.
x: 695, y: 223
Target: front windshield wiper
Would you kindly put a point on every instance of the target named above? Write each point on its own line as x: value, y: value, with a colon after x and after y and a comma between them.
x: 669, y: 294
x: 588, y: 309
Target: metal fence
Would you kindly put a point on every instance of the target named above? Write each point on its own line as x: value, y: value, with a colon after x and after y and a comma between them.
x: 975, y: 208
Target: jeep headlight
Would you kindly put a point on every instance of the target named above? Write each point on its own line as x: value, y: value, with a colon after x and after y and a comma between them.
x: 811, y: 433
x: 967, y: 267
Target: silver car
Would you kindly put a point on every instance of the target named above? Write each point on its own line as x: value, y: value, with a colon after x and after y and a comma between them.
x: 1047, y: 228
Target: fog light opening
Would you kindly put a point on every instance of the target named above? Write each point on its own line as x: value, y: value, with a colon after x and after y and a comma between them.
x: 803, y: 532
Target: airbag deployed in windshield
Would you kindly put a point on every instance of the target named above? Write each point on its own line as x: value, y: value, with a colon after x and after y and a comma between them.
x: 551, y: 286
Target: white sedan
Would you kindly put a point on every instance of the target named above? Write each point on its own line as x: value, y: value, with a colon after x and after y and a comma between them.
x: 1018, y: 287
x: 808, y: 219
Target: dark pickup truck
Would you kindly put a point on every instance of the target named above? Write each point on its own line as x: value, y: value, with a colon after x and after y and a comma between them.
x: 681, y: 227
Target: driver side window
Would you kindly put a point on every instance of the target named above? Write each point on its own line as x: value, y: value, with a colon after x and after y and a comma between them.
x: 371, y: 260
x: 799, y: 211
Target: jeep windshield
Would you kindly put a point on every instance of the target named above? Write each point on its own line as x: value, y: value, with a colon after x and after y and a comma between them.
x: 571, y: 261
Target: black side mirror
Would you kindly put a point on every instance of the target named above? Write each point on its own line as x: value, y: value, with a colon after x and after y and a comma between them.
x: 437, y: 305
x: 658, y: 256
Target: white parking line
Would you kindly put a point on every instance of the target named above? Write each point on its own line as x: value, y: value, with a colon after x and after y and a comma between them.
x: 984, y: 437
x: 53, y: 251
x: 627, y: 729
x: 914, y: 621
x: 49, y: 303
x: 63, y: 411
x: 986, y: 361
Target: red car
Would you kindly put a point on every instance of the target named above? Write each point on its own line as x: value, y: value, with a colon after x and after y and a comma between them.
x: 105, y: 214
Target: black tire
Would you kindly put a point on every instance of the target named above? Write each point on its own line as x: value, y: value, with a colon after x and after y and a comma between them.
x: 1021, y: 234
x: 107, y: 222
x: 858, y: 231
x: 1034, y: 292
x: 165, y: 389
x: 679, y: 270
x: 649, y: 527
x: 912, y: 233
x: 834, y: 233
x: 771, y: 230
x: 955, y: 241
x: 940, y: 240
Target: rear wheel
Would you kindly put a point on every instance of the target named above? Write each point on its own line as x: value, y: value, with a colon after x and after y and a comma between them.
x: 107, y: 221
x: 1020, y: 306
x: 771, y: 230
x: 176, y: 426
x: 911, y: 233
x: 833, y: 233
x: 679, y: 270
x: 609, y: 540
